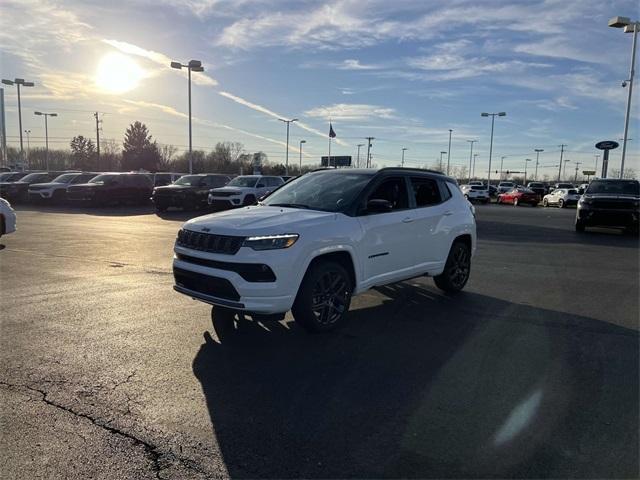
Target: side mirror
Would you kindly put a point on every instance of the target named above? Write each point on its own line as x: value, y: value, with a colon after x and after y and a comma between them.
x: 379, y: 205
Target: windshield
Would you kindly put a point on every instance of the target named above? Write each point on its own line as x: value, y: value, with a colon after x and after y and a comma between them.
x: 325, y: 191
x: 248, y: 181
x: 615, y: 187
x: 65, y: 178
x: 102, y: 178
x: 34, y: 177
x: 191, y: 180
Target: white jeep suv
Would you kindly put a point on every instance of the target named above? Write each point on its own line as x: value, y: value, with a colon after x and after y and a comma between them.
x: 243, y: 190
x: 323, y: 237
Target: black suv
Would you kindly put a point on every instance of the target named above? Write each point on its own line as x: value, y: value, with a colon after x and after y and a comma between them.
x: 109, y: 188
x: 610, y: 203
x: 188, y: 192
x: 18, y: 190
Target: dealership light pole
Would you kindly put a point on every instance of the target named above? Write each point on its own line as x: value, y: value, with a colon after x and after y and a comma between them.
x: 475, y: 156
x: 28, y: 132
x: 493, y: 119
x: 441, y: 164
x: 629, y: 27
x: 537, y: 150
x: 192, y: 66
x: 501, y: 165
x: 46, y: 133
x: 404, y: 149
x: 471, y: 156
x: 358, y: 157
x: 301, y: 142
x: 526, y: 162
x: 564, y: 169
x: 19, y: 82
x: 449, y: 152
x: 575, y: 179
x: 286, y: 154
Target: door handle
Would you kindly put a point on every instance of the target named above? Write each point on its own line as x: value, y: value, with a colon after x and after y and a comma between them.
x: 447, y: 214
x: 407, y: 220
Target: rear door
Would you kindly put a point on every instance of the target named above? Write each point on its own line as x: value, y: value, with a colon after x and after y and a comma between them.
x: 388, y: 241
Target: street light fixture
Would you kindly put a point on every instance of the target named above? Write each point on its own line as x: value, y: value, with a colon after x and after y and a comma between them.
x: 301, y: 142
x: 493, y: 119
x: 192, y: 66
x: 286, y: 160
x: 629, y: 27
x: 46, y: 133
x: 537, y: 150
x: 403, y: 150
x: 18, y: 82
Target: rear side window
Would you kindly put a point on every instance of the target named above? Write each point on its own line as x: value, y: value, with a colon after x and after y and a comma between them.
x: 426, y: 191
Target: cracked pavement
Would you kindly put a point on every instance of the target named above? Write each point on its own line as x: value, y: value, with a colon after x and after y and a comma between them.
x: 107, y: 373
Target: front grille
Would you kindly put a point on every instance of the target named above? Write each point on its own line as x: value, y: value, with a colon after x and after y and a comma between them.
x: 224, y: 194
x: 615, y: 204
x: 208, y: 242
x: 214, y: 286
x: 251, y: 272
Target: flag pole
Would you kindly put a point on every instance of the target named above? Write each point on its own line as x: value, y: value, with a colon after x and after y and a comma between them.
x: 329, y: 159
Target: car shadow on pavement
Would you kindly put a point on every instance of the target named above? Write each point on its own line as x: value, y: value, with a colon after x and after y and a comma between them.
x: 511, y: 232
x: 426, y: 385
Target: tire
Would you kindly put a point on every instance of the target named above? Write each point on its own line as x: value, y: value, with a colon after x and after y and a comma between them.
x: 249, y: 200
x: 2, y: 227
x: 324, y: 297
x: 560, y: 203
x: 515, y: 202
x: 545, y: 202
x: 457, y: 269
x: 498, y: 200
x: 223, y: 320
x: 579, y: 225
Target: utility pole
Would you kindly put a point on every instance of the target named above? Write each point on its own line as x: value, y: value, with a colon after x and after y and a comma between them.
x: 561, y: 154
x: 537, y: 150
x: 564, y: 169
x: 358, y: 157
x: 470, y: 156
x: 575, y: 179
x: 449, y: 152
x: 368, y: 139
x: 402, y: 162
x: 97, y: 140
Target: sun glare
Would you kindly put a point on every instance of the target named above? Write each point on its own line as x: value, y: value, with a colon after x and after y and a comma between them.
x: 118, y: 73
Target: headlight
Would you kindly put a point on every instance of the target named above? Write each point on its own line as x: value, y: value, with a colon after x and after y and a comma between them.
x: 271, y: 242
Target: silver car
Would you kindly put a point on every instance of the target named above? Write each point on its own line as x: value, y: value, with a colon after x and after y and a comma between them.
x: 562, y: 197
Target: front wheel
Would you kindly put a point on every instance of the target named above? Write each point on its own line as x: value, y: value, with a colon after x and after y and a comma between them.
x: 545, y: 202
x: 561, y: 203
x: 498, y: 200
x: 324, y: 297
x: 515, y: 202
x: 456, y: 270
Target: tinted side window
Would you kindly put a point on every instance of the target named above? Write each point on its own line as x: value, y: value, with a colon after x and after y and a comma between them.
x: 275, y: 181
x: 425, y: 191
x: 445, y: 192
x: 394, y: 190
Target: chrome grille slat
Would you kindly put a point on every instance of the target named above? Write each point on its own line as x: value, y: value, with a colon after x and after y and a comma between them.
x: 208, y: 242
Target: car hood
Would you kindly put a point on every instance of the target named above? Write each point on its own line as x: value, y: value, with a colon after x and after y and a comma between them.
x: 230, y: 189
x: 259, y: 220
x: 176, y: 188
x: 48, y: 184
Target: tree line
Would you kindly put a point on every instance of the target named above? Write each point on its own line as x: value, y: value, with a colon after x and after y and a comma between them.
x: 139, y: 151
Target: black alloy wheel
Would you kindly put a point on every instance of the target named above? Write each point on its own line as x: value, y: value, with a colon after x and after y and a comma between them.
x: 457, y: 269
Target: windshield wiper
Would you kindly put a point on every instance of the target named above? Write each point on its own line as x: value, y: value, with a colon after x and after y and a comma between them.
x: 289, y: 205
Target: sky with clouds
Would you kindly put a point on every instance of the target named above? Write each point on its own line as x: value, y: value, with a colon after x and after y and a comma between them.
x: 404, y: 72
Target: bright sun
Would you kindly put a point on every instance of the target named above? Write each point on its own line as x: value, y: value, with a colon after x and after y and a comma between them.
x: 118, y: 73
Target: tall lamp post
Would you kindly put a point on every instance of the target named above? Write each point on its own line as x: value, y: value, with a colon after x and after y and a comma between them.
x: 19, y: 82
x: 564, y: 169
x: 28, y: 132
x: 286, y: 153
x: 470, y: 157
x: 629, y: 27
x: 441, y: 166
x: 301, y: 142
x: 537, y: 150
x: 46, y: 133
x: 493, y: 119
x: 449, y: 152
x: 192, y: 66
x: 404, y: 149
x: 526, y: 162
x: 475, y: 156
x: 358, y: 157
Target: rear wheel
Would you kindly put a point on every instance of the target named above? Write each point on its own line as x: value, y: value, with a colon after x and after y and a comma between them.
x: 561, y: 203
x: 457, y: 269
x: 324, y: 297
x: 545, y: 202
x: 515, y: 202
x: 498, y: 200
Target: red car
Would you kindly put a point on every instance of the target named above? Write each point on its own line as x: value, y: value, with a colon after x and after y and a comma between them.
x: 519, y: 196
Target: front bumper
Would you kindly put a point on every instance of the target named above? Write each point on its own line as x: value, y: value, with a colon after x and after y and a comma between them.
x: 608, y: 217
x: 229, y: 289
x: 225, y: 203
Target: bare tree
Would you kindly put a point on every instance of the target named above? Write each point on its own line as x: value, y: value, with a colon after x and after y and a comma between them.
x: 167, y: 153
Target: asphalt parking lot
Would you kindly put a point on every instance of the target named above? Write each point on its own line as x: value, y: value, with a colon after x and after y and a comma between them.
x: 532, y: 371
